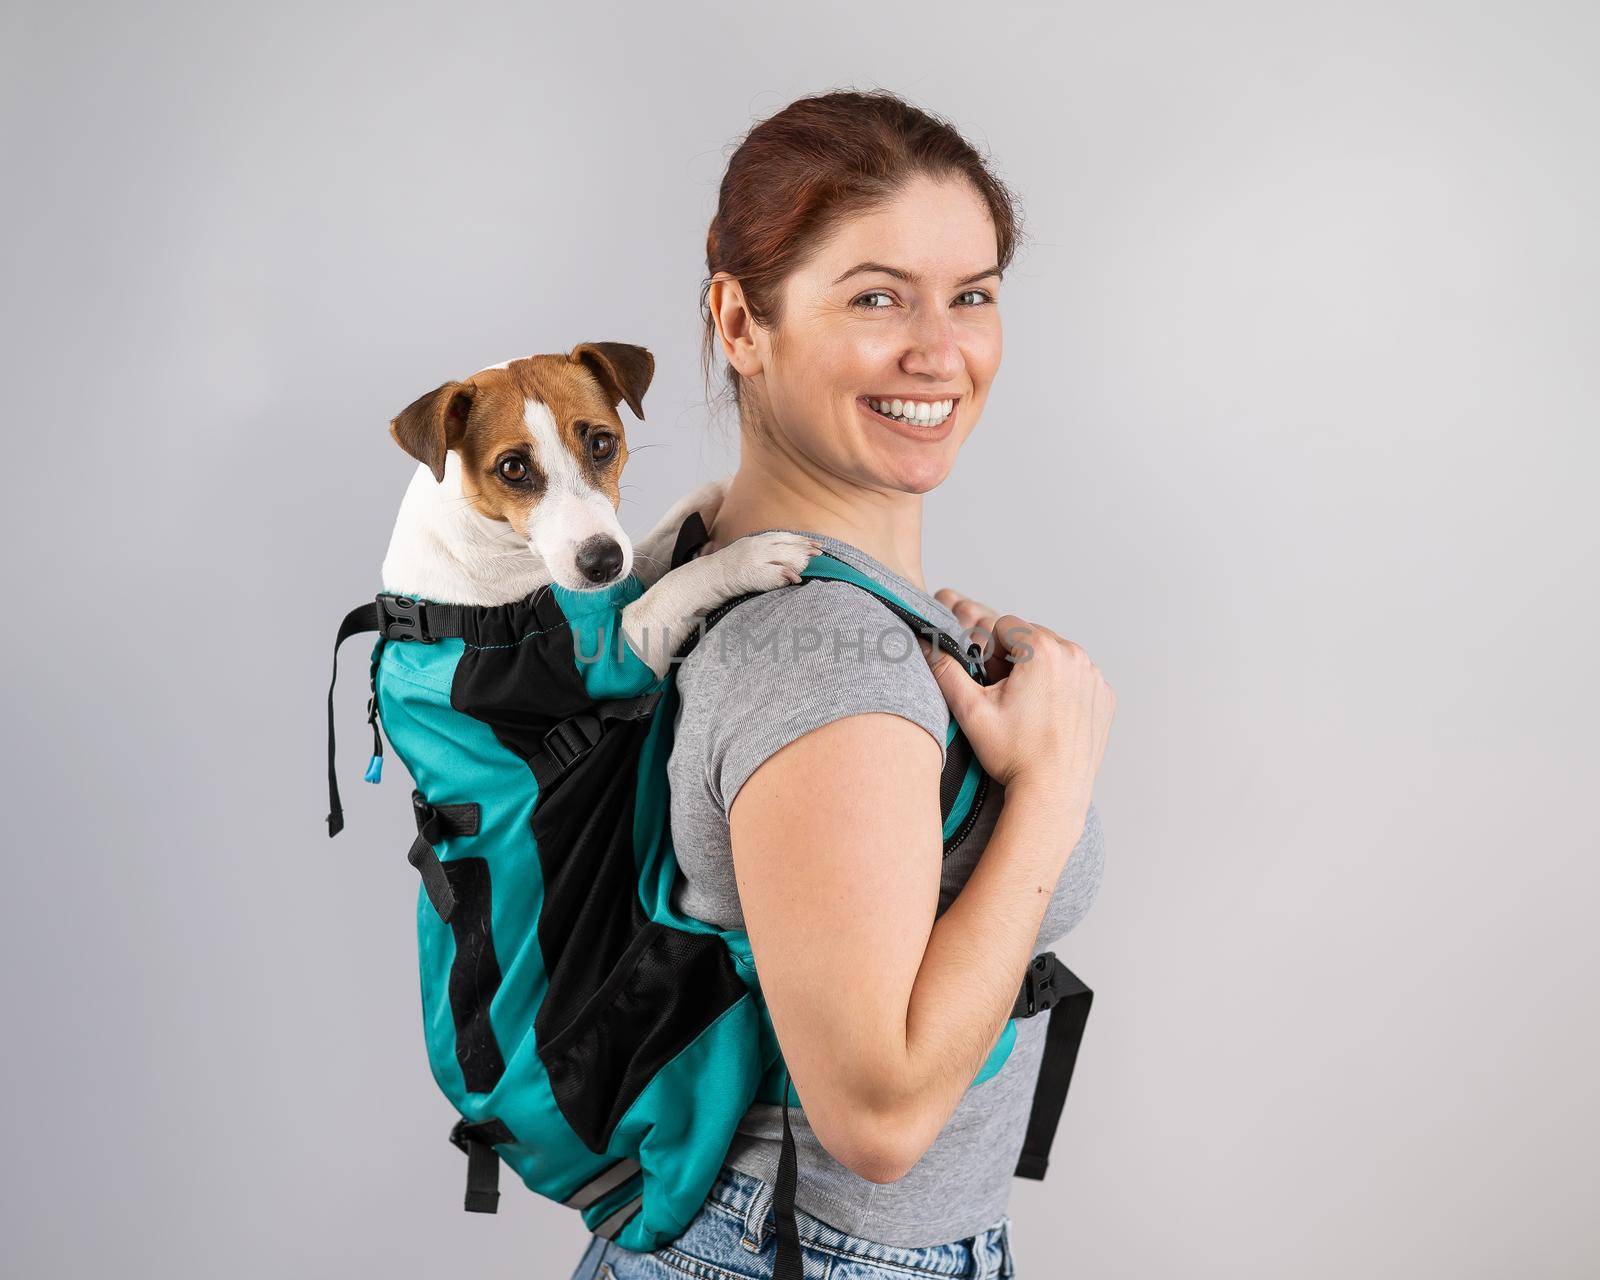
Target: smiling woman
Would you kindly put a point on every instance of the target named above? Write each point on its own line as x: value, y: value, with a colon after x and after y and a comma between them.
x: 854, y: 270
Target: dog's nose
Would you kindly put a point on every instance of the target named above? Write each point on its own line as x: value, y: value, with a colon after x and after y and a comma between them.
x: 600, y: 559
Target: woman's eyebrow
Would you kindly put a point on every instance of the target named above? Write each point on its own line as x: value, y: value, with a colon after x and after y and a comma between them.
x: 911, y: 279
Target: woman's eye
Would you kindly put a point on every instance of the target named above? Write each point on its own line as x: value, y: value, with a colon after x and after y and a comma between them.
x: 514, y: 470
x: 602, y: 447
x: 876, y: 293
x: 982, y: 294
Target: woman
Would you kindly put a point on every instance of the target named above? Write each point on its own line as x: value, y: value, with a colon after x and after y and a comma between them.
x: 855, y: 260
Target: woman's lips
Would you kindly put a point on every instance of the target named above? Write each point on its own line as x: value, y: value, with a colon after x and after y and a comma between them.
x: 927, y: 435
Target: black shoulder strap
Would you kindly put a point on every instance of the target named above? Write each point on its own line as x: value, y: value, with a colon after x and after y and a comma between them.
x: 692, y: 535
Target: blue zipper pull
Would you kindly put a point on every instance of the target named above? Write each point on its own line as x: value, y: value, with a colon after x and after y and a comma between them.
x: 374, y: 771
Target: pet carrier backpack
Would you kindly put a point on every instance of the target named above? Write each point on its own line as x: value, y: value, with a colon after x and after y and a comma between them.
x: 600, y: 1042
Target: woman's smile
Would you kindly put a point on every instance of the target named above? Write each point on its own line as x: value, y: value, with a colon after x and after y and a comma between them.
x: 937, y: 425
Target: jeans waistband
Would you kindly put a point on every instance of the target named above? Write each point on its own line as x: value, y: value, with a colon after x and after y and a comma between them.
x: 984, y: 1256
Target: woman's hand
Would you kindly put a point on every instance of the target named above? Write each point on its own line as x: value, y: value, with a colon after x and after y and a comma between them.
x: 1044, y: 720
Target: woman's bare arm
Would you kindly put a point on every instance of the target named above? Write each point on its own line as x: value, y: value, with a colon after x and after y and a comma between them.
x: 885, y: 1013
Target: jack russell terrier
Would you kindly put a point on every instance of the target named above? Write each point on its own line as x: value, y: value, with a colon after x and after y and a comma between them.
x: 518, y: 487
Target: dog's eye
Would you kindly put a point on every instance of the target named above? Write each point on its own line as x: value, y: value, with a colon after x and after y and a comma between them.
x: 602, y: 446
x: 514, y: 470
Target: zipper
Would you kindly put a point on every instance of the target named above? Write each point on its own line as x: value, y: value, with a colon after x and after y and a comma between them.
x: 971, y: 820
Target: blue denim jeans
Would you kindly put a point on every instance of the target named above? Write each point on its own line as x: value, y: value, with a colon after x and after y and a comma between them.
x: 733, y: 1238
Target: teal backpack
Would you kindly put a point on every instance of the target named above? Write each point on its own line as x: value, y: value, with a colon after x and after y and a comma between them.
x: 590, y: 1035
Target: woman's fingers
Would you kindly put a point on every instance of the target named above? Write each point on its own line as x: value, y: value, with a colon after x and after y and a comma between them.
x: 984, y: 623
x: 1011, y: 635
x: 978, y: 621
x: 969, y: 613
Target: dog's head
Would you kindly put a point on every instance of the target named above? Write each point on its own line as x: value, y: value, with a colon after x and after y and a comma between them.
x: 541, y: 448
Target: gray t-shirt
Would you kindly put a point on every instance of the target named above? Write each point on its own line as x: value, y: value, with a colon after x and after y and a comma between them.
x: 836, y: 651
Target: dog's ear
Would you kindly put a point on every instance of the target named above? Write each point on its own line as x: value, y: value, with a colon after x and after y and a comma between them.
x: 622, y: 370
x: 430, y: 426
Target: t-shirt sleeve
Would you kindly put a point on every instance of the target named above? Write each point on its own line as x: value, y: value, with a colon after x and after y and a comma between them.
x: 792, y: 660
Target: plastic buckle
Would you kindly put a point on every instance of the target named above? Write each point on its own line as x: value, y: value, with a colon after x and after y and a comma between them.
x: 404, y: 619
x: 569, y: 739
x: 1039, y: 990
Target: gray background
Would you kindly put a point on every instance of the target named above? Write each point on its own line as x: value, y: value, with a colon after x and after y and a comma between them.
x: 1294, y: 433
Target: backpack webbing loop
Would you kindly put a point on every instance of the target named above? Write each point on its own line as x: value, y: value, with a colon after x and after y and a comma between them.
x: 434, y: 823
x: 483, y: 1162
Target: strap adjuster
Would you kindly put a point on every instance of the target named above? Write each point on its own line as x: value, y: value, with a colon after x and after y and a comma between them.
x: 1040, y: 990
x: 403, y: 618
x: 571, y: 738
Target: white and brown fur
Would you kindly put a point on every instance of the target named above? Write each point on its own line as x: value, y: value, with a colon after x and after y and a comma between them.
x: 518, y: 487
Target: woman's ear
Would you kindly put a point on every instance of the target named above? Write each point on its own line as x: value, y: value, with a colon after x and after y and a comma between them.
x: 622, y: 370
x: 430, y: 426
x: 734, y: 324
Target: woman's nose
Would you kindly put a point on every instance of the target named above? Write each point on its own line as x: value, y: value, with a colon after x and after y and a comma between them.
x: 933, y: 350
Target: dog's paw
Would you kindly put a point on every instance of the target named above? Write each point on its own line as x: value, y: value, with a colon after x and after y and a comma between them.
x: 763, y: 561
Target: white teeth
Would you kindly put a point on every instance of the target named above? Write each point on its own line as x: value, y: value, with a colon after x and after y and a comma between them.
x: 923, y: 413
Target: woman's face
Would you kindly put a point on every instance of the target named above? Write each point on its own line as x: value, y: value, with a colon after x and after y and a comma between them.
x: 921, y: 323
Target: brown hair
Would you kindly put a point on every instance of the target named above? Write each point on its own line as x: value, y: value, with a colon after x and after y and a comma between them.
x: 798, y: 174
